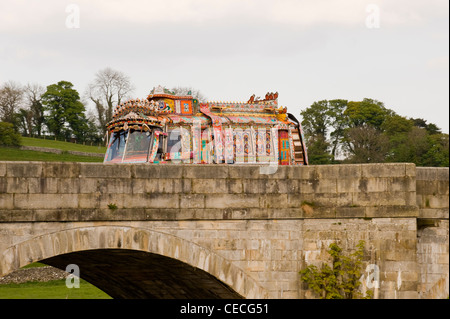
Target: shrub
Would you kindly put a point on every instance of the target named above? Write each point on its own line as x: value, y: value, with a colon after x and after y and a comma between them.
x: 8, y: 135
x: 341, y: 280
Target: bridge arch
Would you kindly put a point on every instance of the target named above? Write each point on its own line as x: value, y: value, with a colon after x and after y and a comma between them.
x: 139, y: 243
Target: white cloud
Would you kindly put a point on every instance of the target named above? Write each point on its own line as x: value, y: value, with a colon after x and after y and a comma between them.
x: 439, y: 63
x: 22, y: 15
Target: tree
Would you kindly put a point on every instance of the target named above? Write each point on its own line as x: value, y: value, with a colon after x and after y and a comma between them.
x: 65, y: 111
x: 24, y: 120
x: 315, y: 122
x: 33, y: 96
x: 8, y: 135
x: 338, y: 122
x: 367, y: 112
x: 318, y: 153
x: 342, y: 279
x: 363, y: 138
x: 109, y: 88
x: 438, y: 152
x: 11, y: 97
x: 366, y: 144
x: 368, y: 132
x: 431, y: 128
x: 316, y: 119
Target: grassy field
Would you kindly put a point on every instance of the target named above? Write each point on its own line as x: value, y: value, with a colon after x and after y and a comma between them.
x: 15, y: 154
x: 65, y: 146
x: 55, y: 289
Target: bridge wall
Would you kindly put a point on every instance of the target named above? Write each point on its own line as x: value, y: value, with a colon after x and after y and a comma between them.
x: 265, y: 227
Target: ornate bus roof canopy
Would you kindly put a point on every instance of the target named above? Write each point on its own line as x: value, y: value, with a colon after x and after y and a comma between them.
x: 162, y: 106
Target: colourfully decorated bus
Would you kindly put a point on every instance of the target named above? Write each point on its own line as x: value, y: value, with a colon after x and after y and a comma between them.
x: 166, y: 127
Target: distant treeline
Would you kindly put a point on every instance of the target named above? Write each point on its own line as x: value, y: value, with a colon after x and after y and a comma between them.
x: 341, y: 131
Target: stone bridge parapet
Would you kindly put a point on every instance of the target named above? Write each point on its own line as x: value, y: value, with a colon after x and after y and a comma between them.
x: 250, y: 232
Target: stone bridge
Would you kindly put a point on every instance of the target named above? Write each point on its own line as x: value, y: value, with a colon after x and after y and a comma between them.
x: 226, y: 231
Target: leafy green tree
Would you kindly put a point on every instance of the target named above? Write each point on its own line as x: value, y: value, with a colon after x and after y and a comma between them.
x: 33, y: 94
x: 318, y: 150
x: 24, y: 121
x: 65, y: 111
x: 317, y: 121
x: 8, y: 135
x: 367, y: 112
x: 366, y: 144
x: 430, y: 127
x: 368, y: 132
x: 341, y: 280
x: 338, y: 122
x: 438, y: 151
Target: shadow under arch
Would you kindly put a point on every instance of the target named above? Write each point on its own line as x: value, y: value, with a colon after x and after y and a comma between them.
x: 114, y: 251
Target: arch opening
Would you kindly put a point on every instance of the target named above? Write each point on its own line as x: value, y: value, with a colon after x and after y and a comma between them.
x: 132, y: 274
x: 144, y: 249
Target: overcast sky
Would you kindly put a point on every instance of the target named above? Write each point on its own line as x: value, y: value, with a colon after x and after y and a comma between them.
x: 394, y: 51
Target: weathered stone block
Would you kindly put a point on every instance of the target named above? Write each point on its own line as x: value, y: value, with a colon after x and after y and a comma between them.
x: 91, y: 200
x: 6, y: 201
x: 326, y: 186
x: 344, y: 212
x: 276, y: 186
x: 2, y: 168
x: 182, y: 186
x: 280, y: 172
x: 234, y: 186
x: 205, y: 171
x: 138, y: 185
x: 60, y: 170
x: 159, y: 186
x: 146, y: 171
x: 45, y: 201
x: 18, y: 185
x: 89, y: 185
x: 244, y: 172
x: 383, y: 170
x: 24, y: 169
x: 206, y: 186
x: 254, y: 186
x: 231, y: 201
x: 443, y: 187
x: 160, y: 200
x: 347, y: 185
x: 105, y: 170
x: 328, y: 172
x: 427, y: 187
x: 69, y: 185
x: 302, y: 172
x: 273, y: 201
x: 442, y: 173
x: 114, y: 186
x: 192, y: 201
x: 48, y: 185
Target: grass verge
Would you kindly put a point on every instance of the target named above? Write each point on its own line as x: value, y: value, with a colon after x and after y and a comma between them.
x: 65, y: 146
x: 55, y: 289
x: 15, y: 154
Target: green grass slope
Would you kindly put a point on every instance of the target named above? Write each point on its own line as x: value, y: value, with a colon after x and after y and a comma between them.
x: 65, y: 146
x: 15, y: 154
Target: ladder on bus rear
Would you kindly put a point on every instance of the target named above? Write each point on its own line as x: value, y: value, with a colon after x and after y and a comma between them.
x: 299, y: 156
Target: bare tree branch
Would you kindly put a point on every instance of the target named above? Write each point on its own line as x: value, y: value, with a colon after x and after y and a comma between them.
x: 109, y: 88
x: 11, y: 98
